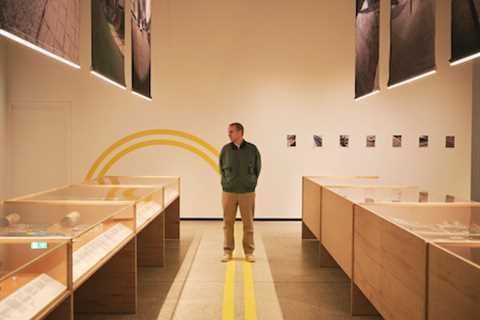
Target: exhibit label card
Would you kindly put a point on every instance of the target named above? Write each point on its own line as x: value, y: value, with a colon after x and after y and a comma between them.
x: 93, y: 251
x: 146, y: 210
x: 26, y: 302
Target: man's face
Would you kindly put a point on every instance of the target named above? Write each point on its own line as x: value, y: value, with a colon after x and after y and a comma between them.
x: 234, y: 134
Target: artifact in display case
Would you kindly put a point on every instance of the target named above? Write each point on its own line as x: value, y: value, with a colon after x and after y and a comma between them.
x: 148, y: 201
x: 453, y: 280
x: 392, y: 240
x: 171, y: 185
x: 96, y: 230
x: 33, y: 278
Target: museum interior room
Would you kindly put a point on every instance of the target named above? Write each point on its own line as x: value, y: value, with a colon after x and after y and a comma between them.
x: 273, y: 160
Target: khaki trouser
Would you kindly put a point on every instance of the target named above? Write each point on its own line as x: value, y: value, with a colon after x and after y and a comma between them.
x: 246, y: 202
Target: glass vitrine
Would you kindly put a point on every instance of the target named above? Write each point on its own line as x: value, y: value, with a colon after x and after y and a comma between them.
x: 434, y: 222
x: 147, y: 201
x: 95, y: 230
x: 346, y: 180
x: 33, y: 277
x: 171, y: 185
x: 389, y: 194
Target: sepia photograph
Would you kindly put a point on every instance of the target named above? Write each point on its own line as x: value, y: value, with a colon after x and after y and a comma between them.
x: 108, y: 39
x: 51, y: 25
x: 317, y: 141
x: 423, y: 141
x: 465, y: 28
x: 397, y: 141
x: 344, y: 141
x: 141, y: 46
x: 450, y: 142
x: 291, y: 140
x: 371, y: 141
x: 412, y: 34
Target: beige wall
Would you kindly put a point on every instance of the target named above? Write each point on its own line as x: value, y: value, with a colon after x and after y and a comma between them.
x: 3, y: 118
x: 279, y: 67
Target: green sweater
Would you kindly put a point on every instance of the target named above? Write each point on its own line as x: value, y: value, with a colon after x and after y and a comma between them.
x: 240, y: 167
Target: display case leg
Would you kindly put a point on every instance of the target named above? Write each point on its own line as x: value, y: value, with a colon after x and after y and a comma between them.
x: 151, y: 244
x: 326, y: 260
x: 113, y: 288
x: 172, y: 220
x: 360, y: 304
x: 306, y: 233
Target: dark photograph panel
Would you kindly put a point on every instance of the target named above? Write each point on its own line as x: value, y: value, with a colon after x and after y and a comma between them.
x: 367, y: 46
x: 53, y: 25
x: 412, y: 46
x: 108, y: 39
x: 141, y: 47
x: 465, y: 28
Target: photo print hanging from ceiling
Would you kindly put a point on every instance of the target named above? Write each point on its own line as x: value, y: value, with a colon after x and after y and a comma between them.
x: 412, y: 44
x: 108, y: 39
x: 367, y: 47
x: 141, y: 47
x: 52, y: 26
x: 465, y: 29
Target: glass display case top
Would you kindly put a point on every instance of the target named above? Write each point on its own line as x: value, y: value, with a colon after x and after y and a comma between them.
x: 44, y: 219
x: 92, y: 193
x: 434, y: 222
x: 347, y: 180
x: 388, y: 194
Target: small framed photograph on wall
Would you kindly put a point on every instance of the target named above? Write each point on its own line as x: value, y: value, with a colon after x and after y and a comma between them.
x: 450, y: 142
x: 397, y: 141
x: 291, y: 140
x: 423, y: 141
x: 317, y: 141
x: 344, y: 141
x: 371, y: 141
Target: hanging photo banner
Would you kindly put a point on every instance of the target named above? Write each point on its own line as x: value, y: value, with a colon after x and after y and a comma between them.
x: 465, y: 30
x: 367, y: 47
x: 141, y: 47
x: 108, y: 39
x: 412, y: 44
x: 51, y: 27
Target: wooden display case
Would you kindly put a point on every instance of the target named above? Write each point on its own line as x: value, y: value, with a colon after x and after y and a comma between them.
x: 34, y: 279
x: 148, y: 203
x: 102, y: 243
x: 390, y: 259
x: 312, y: 198
x: 171, y: 186
x: 454, y: 280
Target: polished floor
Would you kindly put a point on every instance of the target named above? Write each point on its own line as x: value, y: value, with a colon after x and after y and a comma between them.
x: 285, y: 282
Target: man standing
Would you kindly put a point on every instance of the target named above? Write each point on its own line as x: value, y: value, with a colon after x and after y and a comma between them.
x: 240, y: 166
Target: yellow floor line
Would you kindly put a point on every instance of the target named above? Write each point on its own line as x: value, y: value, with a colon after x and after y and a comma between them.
x: 249, y: 292
x: 229, y: 292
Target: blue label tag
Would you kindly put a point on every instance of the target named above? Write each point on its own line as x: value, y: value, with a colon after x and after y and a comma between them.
x: 39, y: 245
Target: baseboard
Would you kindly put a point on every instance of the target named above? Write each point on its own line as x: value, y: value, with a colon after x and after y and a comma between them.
x: 238, y: 219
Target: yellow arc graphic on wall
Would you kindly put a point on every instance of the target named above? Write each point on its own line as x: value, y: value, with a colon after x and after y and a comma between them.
x: 210, y: 156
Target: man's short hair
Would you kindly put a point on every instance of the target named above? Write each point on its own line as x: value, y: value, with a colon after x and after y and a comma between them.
x: 237, y: 126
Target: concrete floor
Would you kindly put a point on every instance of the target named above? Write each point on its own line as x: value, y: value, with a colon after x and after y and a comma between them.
x: 285, y: 282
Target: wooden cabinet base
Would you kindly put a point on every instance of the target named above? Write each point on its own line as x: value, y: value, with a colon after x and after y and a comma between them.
x: 326, y: 260
x: 151, y: 244
x: 360, y: 306
x: 113, y: 288
x: 306, y: 233
x: 63, y: 311
x: 172, y: 220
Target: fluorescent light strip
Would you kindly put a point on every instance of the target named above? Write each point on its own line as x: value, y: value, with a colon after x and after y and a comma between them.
x: 412, y: 79
x: 367, y: 95
x: 37, y: 48
x: 473, y: 56
x: 96, y: 74
x: 141, y: 96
